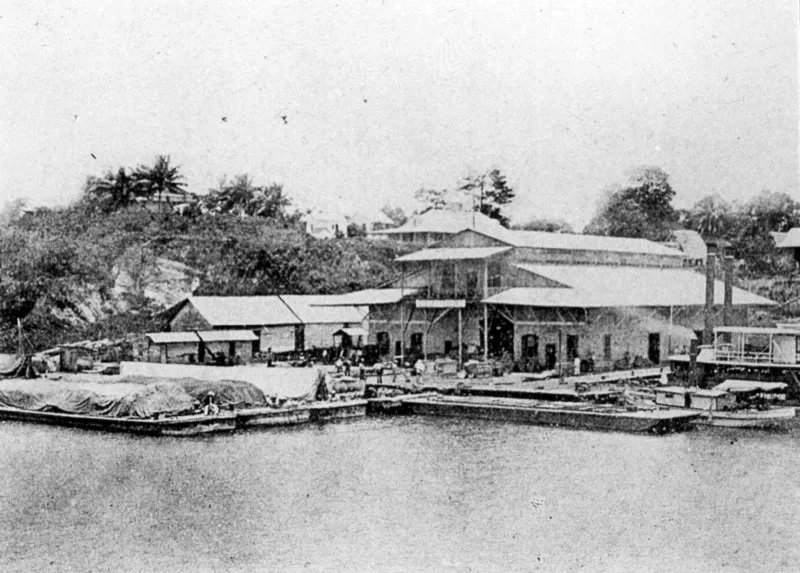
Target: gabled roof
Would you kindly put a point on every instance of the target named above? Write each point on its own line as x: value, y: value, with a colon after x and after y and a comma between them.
x: 616, y: 286
x: 244, y: 310
x: 691, y: 243
x: 274, y: 310
x: 315, y: 309
x: 454, y: 253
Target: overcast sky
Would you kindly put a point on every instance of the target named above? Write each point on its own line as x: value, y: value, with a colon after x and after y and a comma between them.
x: 382, y: 97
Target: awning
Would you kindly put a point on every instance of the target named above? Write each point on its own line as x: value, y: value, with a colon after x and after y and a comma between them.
x: 352, y: 332
x: 453, y: 254
x: 750, y: 386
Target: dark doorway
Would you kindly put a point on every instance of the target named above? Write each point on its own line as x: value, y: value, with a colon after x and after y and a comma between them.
x: 687, y: 400
x: 416, y: 344
x: 201, y: 352
x: 448, y: 347
x: 549, y: 356
x: 572, y: 346
x: 530, y: 352
x: 257, y: 343
x: 232, y: 350
x: 300, y: 337
x: 501, y: 336
x: 654, y: 347
x: 398, y: 348
x: 382, y: 340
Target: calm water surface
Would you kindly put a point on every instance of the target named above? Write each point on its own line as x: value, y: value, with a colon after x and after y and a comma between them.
x: 401, y: 494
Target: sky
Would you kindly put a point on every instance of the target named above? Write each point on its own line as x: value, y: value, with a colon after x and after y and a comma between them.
x: 353, y: 105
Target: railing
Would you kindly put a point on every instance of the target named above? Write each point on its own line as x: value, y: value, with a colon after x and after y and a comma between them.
x: 732, y: 355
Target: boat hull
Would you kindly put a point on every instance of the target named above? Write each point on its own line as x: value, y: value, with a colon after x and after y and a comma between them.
x: 522, y: 411
x: 271, y: 417
x: 332, y: 411
x: 777, y: 417
x: 177, y: 426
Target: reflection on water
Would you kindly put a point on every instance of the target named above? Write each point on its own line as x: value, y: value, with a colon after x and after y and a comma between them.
x: 403, y: 494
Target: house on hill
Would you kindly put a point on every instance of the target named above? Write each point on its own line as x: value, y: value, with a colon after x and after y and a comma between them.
x: 543, y: 299
x: 282, y: 323
x: 435, y: 225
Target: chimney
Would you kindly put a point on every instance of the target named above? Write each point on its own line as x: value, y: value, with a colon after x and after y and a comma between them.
x: 708, y: 330
x: 727, y: 309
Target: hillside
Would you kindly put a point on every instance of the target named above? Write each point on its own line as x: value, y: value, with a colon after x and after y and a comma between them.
x: 77, y: 273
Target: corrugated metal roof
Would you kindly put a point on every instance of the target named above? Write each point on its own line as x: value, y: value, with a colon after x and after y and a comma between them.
x: 576, y: 242
x: 373, y: 296
x: 455, y: 253
x: 312, y: 309
x: 243, y: 310
x: 610, y: 286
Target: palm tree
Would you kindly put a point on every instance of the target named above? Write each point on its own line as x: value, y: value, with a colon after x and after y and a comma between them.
x: 160, y: 178
x: 711, y: 216
x: 114, y: 190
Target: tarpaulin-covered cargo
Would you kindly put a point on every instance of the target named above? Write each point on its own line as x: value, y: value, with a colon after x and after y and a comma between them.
x: 288, y: 383
x: 117, y: 399
x: 227, y: 393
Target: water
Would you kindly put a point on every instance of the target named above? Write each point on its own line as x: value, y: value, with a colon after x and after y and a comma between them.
x: 399, y: 494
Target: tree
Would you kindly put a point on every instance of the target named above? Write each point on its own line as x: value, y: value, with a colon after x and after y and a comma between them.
x: 490, y: 193
x: 546, y: 225
x: 643, y: 208
x: 160, y: 178
x: 432, y: 198
x: 711, y: 216
x: 114, y: 191
x: 396, y: 214
x: 241, y: 197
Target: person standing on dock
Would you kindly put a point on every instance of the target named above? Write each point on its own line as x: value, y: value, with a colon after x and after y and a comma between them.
x: 210, y: 407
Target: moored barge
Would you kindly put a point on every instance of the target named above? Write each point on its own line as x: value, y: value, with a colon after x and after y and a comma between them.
x: 574, y: 415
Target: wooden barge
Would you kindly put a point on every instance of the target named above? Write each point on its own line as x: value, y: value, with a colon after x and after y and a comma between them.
x: 172, y: 426
x: 194, y: 425
x: 583, y: 416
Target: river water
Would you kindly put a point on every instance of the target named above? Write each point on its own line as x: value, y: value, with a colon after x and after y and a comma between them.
x: 400, y: 494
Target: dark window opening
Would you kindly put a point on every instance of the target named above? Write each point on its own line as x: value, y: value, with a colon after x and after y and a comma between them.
x: 607, y: 347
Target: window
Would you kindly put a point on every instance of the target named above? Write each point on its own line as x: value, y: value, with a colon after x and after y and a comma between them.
x: 448, y: 347
x: 607, y: 347
x: 416, y: 342
x: 495, y: 272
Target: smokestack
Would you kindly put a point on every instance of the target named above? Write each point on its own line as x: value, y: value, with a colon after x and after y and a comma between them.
x: 708, y: 331
x: 727, y: 309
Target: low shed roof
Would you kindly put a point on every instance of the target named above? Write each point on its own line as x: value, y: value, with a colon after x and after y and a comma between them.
x: 372, y: 296
x: 205, y: 335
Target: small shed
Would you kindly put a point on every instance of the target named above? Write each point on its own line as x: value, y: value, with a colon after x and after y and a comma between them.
x: 350, y: 337
x: 210, y: 346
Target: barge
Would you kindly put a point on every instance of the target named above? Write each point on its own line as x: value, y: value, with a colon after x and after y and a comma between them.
x: 191, y: 425
x: 567, y: 414
x: 332, y: 411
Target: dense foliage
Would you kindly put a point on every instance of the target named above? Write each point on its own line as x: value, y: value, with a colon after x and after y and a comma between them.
x: 55, y: 263
x: 641, y: 208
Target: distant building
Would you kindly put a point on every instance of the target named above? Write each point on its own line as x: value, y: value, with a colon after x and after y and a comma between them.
x: 322, y: 226
x: 285, y: 323
x: 435, y: 225
x: 692, y: 245
x: 789, y: 241
x: 167, y: 201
